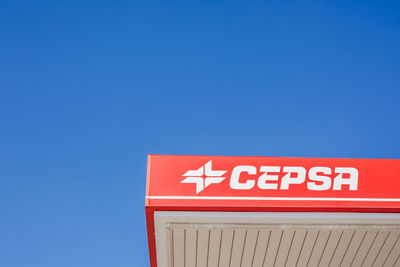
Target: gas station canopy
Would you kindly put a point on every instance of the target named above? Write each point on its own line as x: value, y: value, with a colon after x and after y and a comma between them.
x: 272, y: 211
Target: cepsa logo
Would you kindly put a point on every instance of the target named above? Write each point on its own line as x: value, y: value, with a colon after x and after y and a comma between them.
x: 246, y: 177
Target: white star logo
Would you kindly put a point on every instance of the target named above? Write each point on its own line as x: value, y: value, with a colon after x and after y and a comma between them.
x: 203, y: 177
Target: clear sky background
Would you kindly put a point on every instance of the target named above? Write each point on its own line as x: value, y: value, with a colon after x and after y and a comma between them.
x: 89, y: 88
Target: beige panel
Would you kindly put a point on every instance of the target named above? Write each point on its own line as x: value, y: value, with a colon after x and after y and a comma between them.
x: 307, y: 248
x: 297, y: 244
x: 214, y: 247
x: 341, y: 249
x: 249, y: 247
x: 178, y: 241
x: 261, y: 248
x: 202, y: 247
x: 310, y: 247
x: 226, y: 248
x: 284, y: 247
x: 330, y: 248
x: 364, y: 248
x: 239, y: 237
x: 397, y: 263
x: 191, y: 247
x: 386, y: 249
x: 170, y: 248
x: 272, y: 248
x: 280, y: 245
x: 319, y: 248
x: 353, y: 248
x: 393, y: 255
x: 375, y: 248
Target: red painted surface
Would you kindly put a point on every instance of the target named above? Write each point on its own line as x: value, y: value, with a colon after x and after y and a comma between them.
x: 377, y: 190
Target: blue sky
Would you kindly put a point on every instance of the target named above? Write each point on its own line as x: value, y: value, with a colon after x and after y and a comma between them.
x: 89, y: 88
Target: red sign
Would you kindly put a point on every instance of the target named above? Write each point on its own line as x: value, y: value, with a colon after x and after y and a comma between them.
x: 214, y: 181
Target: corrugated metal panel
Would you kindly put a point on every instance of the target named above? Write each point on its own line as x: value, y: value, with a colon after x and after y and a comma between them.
x: 250, y: 247
x: 202, y: 247
x: 212, y: 242
x: 226, y: 247
x: 241, y: 246
x: 261, y: 247
x: 190, y: 246
x: 297, y: 245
